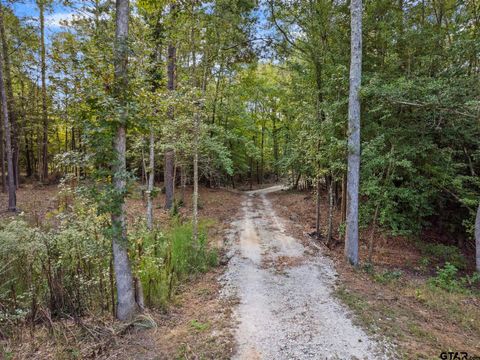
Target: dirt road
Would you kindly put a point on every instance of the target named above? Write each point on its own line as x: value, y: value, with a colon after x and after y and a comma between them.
x: 286, y: 309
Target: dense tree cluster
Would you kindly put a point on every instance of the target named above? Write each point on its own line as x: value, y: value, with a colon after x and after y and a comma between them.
x: 231, y: 92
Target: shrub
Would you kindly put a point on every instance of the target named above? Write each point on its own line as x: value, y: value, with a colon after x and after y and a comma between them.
x: 447, y: 278
x: 445, y: 254
x: 387, y: 276
x: 65, y: 266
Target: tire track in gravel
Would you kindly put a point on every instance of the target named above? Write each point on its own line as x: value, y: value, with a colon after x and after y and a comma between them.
x: 286, y: 309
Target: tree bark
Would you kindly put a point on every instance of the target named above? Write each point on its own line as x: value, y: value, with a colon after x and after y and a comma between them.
x: 318, y: 228
x: 168, y: 175
x: 169, y: 151
x: 477, y: 239
x: 151, y: 176
x: 2, y: 158
x: 330, y: 211
x: 12, y: 202
x: 44, y: 155
x: 353, y: 175
x: 275, y: 146
x: 195, y: 176
x: 10, y: 100
x: 126, y: 305
x: 343, y: 205
x: 183, y: 183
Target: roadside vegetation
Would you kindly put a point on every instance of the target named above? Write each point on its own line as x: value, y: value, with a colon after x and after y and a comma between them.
x: 123, y: 123
x: 422, y: 296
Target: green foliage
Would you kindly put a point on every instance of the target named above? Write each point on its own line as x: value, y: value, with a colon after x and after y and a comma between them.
x: 387, y: 276
x: 65, y: 264
x: 62, y: 265
x: 444, y: 254
x: 199, y: 326
x: 447, y: 279
x: 169, y: 258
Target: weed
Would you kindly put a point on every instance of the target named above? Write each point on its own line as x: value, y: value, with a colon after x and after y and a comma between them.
x: 444, y: 253
x: 368, y: 268
x: 424, y: 262
x: 387, y: 276
x: 199, y: 326
x: 447, y: 278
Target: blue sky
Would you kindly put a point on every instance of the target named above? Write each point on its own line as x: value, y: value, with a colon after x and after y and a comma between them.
x: 28, y: 10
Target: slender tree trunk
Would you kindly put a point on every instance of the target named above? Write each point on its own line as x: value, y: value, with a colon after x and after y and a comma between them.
x: 477, y: 239
x: 195, y: 176
x: 372, y: 234
x: 12, y: 202
x: 318, y: 226
x: 151, y: 177
x: 275, y: 147
x: 251, y: 174
x: 353, y: 175
x: 168, y: 176
x: 343, y: 206
x: 262, y: 142
x: 126, y: 305
x: 10, y: 100
x: 2, y: 158
x: 330, y: 211
x: 183, y: 183
x: 44, y: 154
x: 144, y: 168
x: 169, y: 152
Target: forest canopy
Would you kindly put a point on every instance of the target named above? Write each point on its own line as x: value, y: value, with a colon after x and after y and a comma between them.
x: 236, y: 93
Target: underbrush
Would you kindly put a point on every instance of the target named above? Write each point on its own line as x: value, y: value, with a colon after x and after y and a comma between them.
x: 441, y: 254
x: 63, y: 269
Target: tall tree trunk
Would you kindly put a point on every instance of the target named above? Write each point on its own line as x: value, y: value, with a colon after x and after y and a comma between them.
x: 10, y: 100
x: 343, y: 206
x: 477, y: 239
x: 2, y: 158
x: 169, y: 169
x: 12, y: 202
x: 275, y: 146
x: 43, y: 171
x: 330, y: 210
x: 353, y: 175
x: 126, y: 305
x: 318, y: 226
x: 183, y: 183
x: 195, y: 176
x: 372, y: 233
x: 262, y: 160
x: 169, y: 152
x: 151, y: 177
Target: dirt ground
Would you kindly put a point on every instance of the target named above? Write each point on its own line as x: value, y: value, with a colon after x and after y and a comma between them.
x: 421, y: 321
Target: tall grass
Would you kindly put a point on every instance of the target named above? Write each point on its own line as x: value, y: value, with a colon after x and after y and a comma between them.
x: 168, y: 259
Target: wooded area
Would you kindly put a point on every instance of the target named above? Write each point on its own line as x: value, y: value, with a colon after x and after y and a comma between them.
x: 372, y: 107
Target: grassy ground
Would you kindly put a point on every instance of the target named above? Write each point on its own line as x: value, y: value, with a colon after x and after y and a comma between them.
x: 399, y: 296
x: 195, y: 325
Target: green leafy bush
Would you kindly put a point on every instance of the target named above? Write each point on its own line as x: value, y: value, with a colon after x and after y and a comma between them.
x: 64, y: 266
x: 447, y: 278
x: 444, y: 253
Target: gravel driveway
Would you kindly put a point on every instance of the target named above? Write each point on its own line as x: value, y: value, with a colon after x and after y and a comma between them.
x: 286, y: 309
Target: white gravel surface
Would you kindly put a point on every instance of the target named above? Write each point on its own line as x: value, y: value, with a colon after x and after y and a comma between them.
x: 286, y: 309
